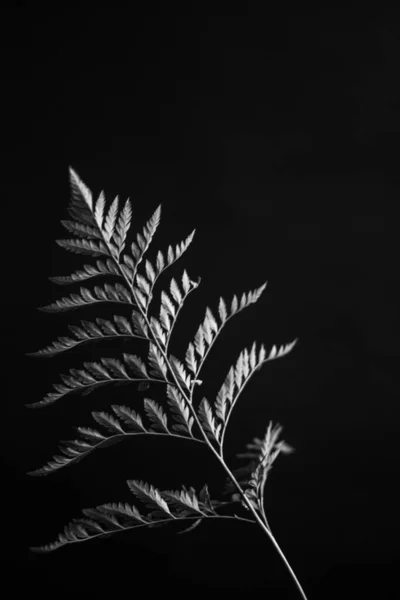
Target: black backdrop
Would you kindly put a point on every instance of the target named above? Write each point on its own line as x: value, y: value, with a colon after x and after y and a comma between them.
x: 275, y: 135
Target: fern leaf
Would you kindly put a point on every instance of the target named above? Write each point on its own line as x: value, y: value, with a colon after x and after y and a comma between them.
x: 162, y: 264
x: 150, y: 496
x: 99, y: 522
x: 143, y: 241
x: 128, y: 268
x: 131, y: 419
x: 142, y: 291
x: 109, y: 224
x: 235, y: 380
x: 99, y: 210
x: 180, y: 372
x: 108, y: 421
x: 84, y: 247
x: 89, y: 332
x: 238, y: 376
x: 207, y: 421
x: 246, y: 300
x: 96, y: 374
x: 82, y: 230
x: 140, y: 297
x: 190, y: 359
x: 184, y: 501
x: 102, y: 268
x: 168, y: 311
x: 137, y: 365
x: 75, y: 450
x: 150, y: 272
x: 222, y: 310
x: 157, y: 362
x: 106, y: 519
x: 122, y: 227
x: 139, y: 324
x: 158, y: 332
x: 143, y: 284
x: 91, y: 439
x: 80, y: 207
x: 116, y: 367
x: 175, y: 291
x: 156, y: 415
x: 121, y: 509
x: 79, y: 188
x: 180, y: 411
x: 117, y: 293
x: 210, y: 329
x: 186, y: 283
x: 263, y: 453
x: 205, y: 500
x: 191, y: 527
x: 148, y: 232
x: 199, y: 342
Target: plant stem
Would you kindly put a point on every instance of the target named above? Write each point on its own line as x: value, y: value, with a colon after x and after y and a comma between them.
x: 260, y: 522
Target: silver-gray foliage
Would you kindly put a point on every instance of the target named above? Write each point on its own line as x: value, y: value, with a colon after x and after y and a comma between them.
x: 102, y: 232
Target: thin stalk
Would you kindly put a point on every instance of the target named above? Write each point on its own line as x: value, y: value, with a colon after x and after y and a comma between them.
x: 260, y: 522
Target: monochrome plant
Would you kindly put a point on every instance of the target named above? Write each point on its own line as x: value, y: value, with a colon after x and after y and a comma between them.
x: 103, y: 233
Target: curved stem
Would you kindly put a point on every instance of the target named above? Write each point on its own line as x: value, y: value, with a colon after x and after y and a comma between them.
x: 261, y: 523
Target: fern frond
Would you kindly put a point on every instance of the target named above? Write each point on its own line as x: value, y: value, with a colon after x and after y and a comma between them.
x: 84, y: 247
x: 158, y: 332
x: 109, y: 224
x: 122, y: 227
x: 131, y: 419
x: 208, y: 422
x: 104, y: 232
x: 81, y: 205
x: 127, y: 423
x: 99, y: 210
x: 180, y: 411
x: 82, y: 230
x: 168, y: 311
x: 180, y: 372
x: 102, y: 268
x: 156, y: 415
x: 142, y: 291
x: 90, y: 332
x: 166, y: 506
x: 150, y: 496
x: 139, y: 324
x: 153, y: 272
x: 185, y: 501
x: 144, y: 241
x: 75, y: 450
x: 96, y: 374
x: 110, y: 227
x: 209, y: 330
x: 239, y: 375
x: 138, y: 250
x: 99, y: 522
x: 80, y: 190
x: 158, y: 363
x: 262, y: 454
x: 109, y: 293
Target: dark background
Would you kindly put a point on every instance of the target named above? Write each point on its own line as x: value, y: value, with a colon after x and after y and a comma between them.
x: 276, y: 136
